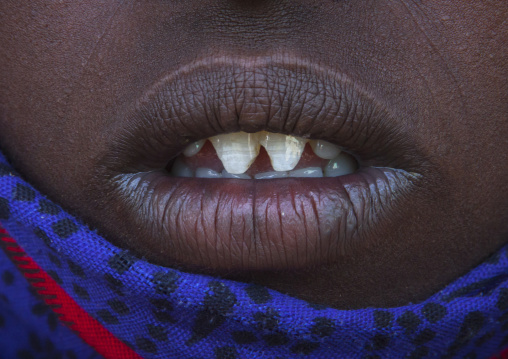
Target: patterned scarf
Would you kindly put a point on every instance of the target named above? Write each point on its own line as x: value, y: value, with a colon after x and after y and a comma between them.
x: 121, y: 306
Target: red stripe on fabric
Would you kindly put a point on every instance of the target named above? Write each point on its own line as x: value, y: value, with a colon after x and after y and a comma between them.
x: 502, y: 355
x: 69, y: 312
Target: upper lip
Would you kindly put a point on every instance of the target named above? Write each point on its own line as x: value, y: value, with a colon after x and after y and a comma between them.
x: 278, y: 94
x: 185, y: 220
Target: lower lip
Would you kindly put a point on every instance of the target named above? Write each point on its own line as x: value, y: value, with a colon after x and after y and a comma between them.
x: 222, y: 225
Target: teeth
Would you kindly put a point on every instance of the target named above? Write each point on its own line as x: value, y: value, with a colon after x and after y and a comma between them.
x: 237, y: 151
x: 226, y: 174
x: 180, y: 169
x: 284, y: 151
x: 203, y: 172
x: 270, y: 175
x: 342, y: 165
x: 325, y: 149
x: 307, y: 172
x: 193, y: 148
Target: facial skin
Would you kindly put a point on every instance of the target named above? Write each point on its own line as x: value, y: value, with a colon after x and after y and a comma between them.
x: 73, y: 73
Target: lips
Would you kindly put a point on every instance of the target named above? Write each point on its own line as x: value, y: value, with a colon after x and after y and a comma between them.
x: 229, y: 225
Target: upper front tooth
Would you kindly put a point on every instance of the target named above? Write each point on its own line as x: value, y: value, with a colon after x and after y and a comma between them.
x: 284, y: 151
x: 325, y: 149
x: 237, y: 150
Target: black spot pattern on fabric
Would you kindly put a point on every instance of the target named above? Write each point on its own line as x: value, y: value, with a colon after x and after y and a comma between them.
x: 64, y: 228
x: 434, y: 312
x: 304, y: 347
x: 379, y: 341
x: 485, y: 338
x: 268, y: 320
x: 275, y: 339
x: 118, y: 306
x: 481, y: 288
x: 114, y: 284
x: 24, y: 354
x: 76, y: 269
x: 419, y: 353
x: 107, y: 316
x: 226, y: 353
x: 54, y: 259
x: 4, y: 298
x: 47, y: 207
x: 504, y: 342
x: 323, y: 327
x: 8, y: 277
x: 122, y: 261
x: 473, y: 322
x: 372, y: 356
x: 49, y: 345
x: 425, y: 336
x: 80, y: 291
x: 52, y: 321
x: 40, y: 309
x: 217, y: 305
x: 23, y: 193
x: 55, y: 276
x: 2, y: 321
x: 504, y: 327
x: 35, y: 342
x: 5, y: 209
x: 244, y: 337
x: 382, y: 319
x: 502, y: 300
x: 157, y: 332
x: 165, y: 283
x: 146, y: 345
x: 162, y: 311
x: 258, y: 294
x: 71, y: 355
x: 409, y: 321
x: 45, y: 238
x: 471, y: 355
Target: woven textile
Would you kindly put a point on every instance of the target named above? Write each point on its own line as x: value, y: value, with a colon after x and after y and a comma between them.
x: 165, y: 313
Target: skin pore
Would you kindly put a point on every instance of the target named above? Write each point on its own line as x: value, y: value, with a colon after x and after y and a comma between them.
x: 74, y: 72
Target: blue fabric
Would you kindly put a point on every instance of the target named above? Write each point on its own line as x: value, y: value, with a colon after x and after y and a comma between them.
x: 165, y: 313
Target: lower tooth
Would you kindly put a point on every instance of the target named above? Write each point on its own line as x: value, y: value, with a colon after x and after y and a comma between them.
x: 203, y: 172
x: 342, y: 165
x: 226, y: 174
x: 180, y: 169
x: 269, y: 175
x: 307, y: 172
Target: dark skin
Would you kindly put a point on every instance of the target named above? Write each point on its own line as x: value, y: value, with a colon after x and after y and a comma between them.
x: 72, y: 71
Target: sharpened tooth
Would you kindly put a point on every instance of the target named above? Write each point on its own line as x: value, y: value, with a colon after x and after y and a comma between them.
x: 237, y: 150
x: 324, y: 149
x: 270, y: 175
x: 342, y: 165
x: 180, y: 169
x: 193, y: 148
x: 203, y: 172
x: 226, y: 174
x: 307, y: 172
x: 284, y: 151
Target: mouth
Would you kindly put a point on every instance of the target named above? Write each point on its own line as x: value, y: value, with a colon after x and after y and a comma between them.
x: 254, y: 164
